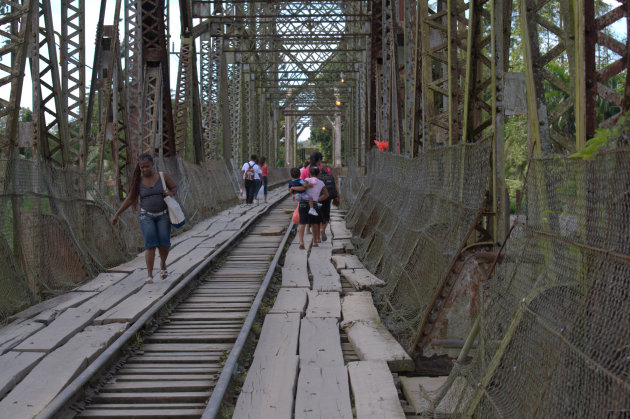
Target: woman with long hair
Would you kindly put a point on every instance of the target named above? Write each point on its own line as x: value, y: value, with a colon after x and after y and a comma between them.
x: 265, y: 181
x: 146, y: 185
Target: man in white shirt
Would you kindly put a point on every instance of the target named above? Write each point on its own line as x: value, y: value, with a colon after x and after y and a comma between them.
x: 251, y: 175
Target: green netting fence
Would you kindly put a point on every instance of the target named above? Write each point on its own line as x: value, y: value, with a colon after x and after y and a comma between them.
x: 553, y: 329
x: 410, y: 217
x: 55, y: 227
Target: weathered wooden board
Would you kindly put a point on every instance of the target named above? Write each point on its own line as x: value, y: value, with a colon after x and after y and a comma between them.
x: 339, y: 246
x: 295, y: 258
x: 59, y: 331
x: 421, y: 391
x: 273, y: 231
x: 188, y: 262
x: 279, y: 335
x: 377, y: 344
x: 320, y: 344
x: 140, y: 412
x: 14, y: 366
x: 295, y: 271
x: 323, y: 392
x: 117, y: 292
x: 184, y: 248
x: 74, y: 320
x: 290, y: 300
x: 323, y: 304
x: 375, y: 395
x: 217, y: 240
x: 64, y: 301
x: 346, y: 262
x: 131, y: 308
x: 14, y: 333
x: 216, y: 228
x: 339, y: 230
x: 325, y: 276
x: 74, y: 299
x: 102, y: 281
x: 128, y: 267
x: 358, y: 306
x: 269, y: 389
x: 56, y: 370
x: 361, y: 278
x: 295, y: 279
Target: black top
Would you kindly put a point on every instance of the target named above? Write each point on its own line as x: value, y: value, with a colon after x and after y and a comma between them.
x: 152, y: 199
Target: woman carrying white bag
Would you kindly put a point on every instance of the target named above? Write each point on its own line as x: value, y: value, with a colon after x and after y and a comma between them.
x: 155, y: 223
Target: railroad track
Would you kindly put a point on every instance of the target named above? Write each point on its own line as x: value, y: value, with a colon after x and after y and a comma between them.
x: 173, y: 371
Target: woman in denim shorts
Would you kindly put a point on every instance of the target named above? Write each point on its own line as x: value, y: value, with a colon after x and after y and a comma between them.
x: 154, y: 221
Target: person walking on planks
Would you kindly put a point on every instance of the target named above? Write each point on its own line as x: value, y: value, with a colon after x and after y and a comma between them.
x: 265, y: 179
x: 319, y: 193
x: 333, y: 196
x: 251, y: 173
x: 155, y: 224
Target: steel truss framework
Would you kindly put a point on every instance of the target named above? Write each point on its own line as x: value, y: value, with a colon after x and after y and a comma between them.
x: 417, y: 73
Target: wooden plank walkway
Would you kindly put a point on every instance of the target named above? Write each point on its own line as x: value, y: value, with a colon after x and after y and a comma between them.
x: 45, y: 346
x: 323, y: 384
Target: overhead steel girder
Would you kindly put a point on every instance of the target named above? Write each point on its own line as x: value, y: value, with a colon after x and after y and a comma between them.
x: 256, y: 35
x: 296, y: 50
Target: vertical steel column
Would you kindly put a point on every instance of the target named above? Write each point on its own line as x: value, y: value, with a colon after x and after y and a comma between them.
x: 387, y: 71
x: 133, y: 79
x: 411, y: 75
x: 215, y: 88
x: 275, y: 135
x: 288, y: 149
x: 205, y: 92
x: 592, y: 39
x: 72, y: 54
x: 550, y: 128
x: 14, y: 51
x: 52, y: 122
x: 183, y: 96
x: 441, y: 38
x: 105, y: 68
x: 224, y: 107
x: 376, y: 51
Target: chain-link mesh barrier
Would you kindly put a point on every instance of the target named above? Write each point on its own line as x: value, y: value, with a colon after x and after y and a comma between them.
x: 55, y: 227
x: 410, y: 216
x: 554, y: 337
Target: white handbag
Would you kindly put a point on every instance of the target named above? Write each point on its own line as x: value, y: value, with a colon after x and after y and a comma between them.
x: 175, y: 212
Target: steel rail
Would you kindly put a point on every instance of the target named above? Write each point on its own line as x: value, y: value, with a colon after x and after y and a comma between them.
x: 221, y: 386
x: 65, y: 396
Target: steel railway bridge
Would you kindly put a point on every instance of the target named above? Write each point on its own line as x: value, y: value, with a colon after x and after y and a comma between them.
x: 428, y: 220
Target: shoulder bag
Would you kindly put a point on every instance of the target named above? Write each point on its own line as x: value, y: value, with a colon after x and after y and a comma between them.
x: 175, y: 212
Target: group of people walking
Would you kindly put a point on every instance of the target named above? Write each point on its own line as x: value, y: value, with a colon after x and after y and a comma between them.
x: 314, y: 188
x: 254, y: 176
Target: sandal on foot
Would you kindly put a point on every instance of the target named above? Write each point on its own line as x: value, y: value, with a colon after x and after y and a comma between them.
x: 163, y: 274
x: 149, y: 281
x: 301, y: 246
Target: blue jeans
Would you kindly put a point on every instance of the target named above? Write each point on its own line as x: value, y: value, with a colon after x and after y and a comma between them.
x: 265, y: 182
x: 156, y: 230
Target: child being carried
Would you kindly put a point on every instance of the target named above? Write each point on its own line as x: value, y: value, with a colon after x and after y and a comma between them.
x: 297, y: 187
